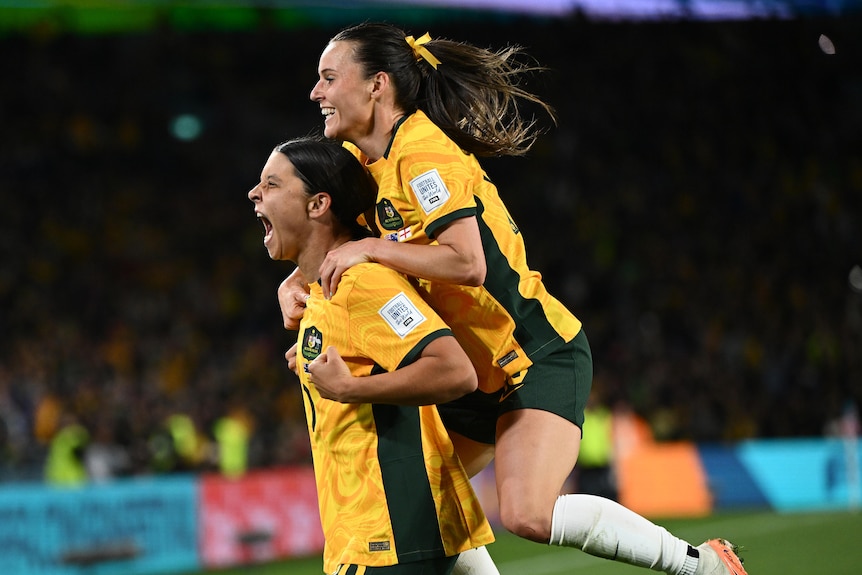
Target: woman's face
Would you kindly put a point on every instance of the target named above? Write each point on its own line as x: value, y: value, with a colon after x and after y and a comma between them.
x: 343, y: 93
x: 280, y: 203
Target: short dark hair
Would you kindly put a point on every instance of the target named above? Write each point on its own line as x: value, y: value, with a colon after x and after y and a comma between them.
x: 326, y: 166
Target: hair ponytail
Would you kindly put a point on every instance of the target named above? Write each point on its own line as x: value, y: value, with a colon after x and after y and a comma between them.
x: 475, y: 96
x: 471, y: 93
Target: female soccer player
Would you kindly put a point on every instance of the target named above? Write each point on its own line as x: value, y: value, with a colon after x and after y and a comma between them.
x: 417, y: 112
x: 394, y: 498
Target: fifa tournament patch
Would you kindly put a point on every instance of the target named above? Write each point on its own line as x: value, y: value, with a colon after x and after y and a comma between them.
x: 401, y: 315
x: 312, y: 343
x: 430, y: 190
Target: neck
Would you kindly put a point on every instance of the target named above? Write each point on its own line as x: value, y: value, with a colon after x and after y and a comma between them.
x: 376, y: 141
x: 315, y: 251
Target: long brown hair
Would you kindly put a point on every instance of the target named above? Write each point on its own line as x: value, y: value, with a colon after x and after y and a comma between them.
x: 474, y: 94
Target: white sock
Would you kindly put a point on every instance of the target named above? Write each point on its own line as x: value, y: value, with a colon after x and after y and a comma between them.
x: 606, y: 529
x: 475, y: 562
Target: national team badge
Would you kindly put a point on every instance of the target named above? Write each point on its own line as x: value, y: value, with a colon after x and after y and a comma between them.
x: 312, y: 343
x: 388, y: 216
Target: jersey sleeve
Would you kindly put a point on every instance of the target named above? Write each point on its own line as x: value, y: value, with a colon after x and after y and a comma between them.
x: 440, y: 182
x: 388, y: 318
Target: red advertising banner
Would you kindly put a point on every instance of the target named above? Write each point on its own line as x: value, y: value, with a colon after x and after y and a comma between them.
x: 263, y: 516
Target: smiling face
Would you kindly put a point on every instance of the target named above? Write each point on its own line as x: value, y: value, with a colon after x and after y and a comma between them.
x: 281, y: 204
x: 344, y: 94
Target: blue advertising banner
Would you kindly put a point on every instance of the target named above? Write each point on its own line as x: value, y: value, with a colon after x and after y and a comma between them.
x: 730, y: 482
x: 134, y: 527
x: 805, y: 474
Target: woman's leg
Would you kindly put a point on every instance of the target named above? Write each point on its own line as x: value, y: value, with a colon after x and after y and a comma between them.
x: 536, y: 451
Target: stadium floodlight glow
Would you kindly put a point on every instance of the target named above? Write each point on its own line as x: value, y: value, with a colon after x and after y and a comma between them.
x: 186, y: 127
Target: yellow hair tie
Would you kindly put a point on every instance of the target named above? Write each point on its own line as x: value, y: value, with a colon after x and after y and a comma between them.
x: 420, y: 51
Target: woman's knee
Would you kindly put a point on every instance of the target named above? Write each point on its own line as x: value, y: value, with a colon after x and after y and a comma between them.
x: 527, y: 517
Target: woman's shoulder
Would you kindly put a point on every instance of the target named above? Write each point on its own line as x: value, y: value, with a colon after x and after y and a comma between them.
x: 373, y: 276
x: 419, y: 128
x: 418, y: 134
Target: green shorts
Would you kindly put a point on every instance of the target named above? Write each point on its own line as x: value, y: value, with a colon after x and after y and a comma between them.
x: 559, y: 383
x: 439, y: 566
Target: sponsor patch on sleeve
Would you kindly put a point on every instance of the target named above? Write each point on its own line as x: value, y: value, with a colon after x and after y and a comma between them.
x: 430, y: 190
x: 401, y: 314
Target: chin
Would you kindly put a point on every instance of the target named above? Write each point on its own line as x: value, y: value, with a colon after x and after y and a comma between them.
x: 330, y: 133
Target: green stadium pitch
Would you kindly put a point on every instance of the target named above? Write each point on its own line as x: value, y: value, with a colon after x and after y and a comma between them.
x: 772, y: 544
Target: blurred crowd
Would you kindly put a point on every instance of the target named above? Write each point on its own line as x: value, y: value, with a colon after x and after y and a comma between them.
x: 698, y: 206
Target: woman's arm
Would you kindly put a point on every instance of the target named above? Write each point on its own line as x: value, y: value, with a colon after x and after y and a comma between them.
x: 457, y: 258
x: 441, y: 373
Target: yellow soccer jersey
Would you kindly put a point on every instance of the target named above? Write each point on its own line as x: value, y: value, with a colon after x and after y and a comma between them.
x: 391, y: 489
x: 426, y: 181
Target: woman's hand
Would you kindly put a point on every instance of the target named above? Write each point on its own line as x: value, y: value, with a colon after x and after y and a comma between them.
x: 290, y: 356
x: 338, y: 261
x: 292, y: 294
x: 331, y: 376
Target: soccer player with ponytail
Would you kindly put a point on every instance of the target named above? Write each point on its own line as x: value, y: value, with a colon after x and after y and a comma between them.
x: 417, y: 112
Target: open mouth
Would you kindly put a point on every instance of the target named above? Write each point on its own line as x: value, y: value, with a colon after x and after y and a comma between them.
x: 267, y: 227
x: 327, y: 112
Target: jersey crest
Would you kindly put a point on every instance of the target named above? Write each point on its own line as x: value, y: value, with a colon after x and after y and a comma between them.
x: 312, y: 343
x: 388, y: 216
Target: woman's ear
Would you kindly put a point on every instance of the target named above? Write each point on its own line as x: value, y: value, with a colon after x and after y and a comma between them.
x: 318, y: 204
x: 379, y: 84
